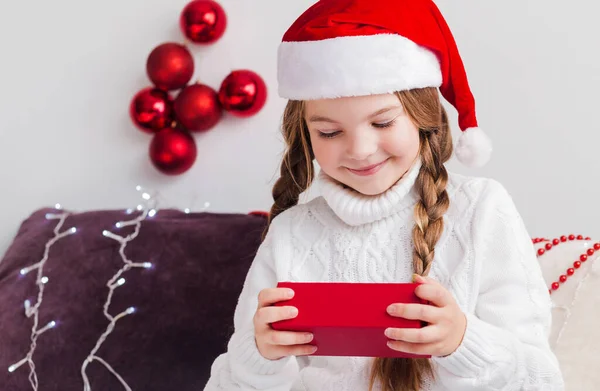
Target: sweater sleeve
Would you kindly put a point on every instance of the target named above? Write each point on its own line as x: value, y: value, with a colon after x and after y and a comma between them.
x: 242, y: 367
x: 505, y: 346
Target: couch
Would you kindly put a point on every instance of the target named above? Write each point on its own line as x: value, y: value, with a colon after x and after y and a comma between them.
x: 143, y: 300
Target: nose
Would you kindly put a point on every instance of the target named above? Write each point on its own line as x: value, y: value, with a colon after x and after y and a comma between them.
x: 362, y: 145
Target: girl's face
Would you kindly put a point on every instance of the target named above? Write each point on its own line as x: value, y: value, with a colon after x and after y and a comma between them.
x: 367, y: 143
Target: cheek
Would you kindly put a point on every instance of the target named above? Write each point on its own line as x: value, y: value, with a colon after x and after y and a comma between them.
x: 402, y: 142
x: 326, y: 151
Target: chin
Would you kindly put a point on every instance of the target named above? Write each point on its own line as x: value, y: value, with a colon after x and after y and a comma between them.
x: 372, y: 187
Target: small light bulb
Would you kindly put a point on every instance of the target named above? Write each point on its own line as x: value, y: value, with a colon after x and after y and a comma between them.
x: 152, y: 213
x: 118, y: 225
x: 140, y: 207
x: 147, y: 265
x: 44, y: 280
x: 50, y: 216
x: 138, y: 188
x: 27, y: 305
x: 206, y: 204
x: 105, y: 233
x: 187, y: 210
x: 129, y: 211
x: 52, y: 324
x: 57, y: 206
x: 12, y: 368
x: 130, y: 310
x: 73, y: 230
x: 121, y: 281
x: 23, y: 272
x: 146, y: 196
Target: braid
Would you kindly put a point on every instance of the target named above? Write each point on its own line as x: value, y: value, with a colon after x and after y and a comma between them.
x: 297, y: 169
x: 429, y: 210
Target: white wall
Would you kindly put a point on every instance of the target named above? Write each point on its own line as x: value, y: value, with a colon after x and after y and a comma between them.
x: 69, y: 69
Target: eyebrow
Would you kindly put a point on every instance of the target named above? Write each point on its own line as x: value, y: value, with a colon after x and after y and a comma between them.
x: 320, y: 118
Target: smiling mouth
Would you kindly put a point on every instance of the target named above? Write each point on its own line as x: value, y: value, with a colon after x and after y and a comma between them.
x: 369, y: 170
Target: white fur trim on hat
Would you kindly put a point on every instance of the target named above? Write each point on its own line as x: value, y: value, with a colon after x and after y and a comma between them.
x: 474, y: 148
x: 354, y: 66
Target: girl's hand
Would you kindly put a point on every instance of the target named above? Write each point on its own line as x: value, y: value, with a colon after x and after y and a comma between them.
x: 447, y: 323
x: 274, y: 344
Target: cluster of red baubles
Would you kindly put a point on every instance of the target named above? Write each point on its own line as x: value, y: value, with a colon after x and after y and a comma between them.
x: 173, y: 108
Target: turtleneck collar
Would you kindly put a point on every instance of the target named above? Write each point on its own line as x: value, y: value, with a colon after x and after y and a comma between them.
x: 355, y: 208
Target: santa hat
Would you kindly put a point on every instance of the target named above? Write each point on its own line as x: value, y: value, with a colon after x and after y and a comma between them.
x: 340, y: 48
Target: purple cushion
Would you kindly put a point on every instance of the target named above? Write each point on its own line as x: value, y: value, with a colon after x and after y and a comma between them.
x: 184, y: 303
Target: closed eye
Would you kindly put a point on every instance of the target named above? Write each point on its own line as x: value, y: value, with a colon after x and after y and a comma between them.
x: 329, y: 134
x: 382, y: 125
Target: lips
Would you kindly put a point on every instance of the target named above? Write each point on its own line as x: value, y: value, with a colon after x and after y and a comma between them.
x: 368, y: 170
x: 368, y: 167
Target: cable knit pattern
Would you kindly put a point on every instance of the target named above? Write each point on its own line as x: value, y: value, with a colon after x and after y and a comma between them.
x: 484, y: 257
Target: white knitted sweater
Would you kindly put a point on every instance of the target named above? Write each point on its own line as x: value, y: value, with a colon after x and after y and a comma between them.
x: 485, y: 258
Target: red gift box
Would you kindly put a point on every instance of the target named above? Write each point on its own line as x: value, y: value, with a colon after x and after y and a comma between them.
x: 349, y: 319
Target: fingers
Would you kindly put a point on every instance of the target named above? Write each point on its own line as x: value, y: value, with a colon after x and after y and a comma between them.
x: 435, y: 293
x: 270, y: 296
x: 424, y: 312
x: 273, y: 344
x: 425, y: 335
x: 288, y: 337
x: 267, y: 315
x: 431, y: 290
x: 276, y: 344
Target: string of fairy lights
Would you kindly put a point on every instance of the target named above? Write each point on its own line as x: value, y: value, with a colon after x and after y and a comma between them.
x: 148, y: 208
x: 32, y: 311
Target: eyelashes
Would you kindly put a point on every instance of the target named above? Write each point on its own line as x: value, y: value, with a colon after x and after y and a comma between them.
x: 383, y: 125
x: 375, y: 125
x: 329, y: 134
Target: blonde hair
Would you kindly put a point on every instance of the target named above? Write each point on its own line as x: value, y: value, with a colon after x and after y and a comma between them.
x: 424, y: 108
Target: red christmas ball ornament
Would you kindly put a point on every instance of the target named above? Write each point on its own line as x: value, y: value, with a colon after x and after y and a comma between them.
x: 203, y: 21
x: 243, y: 93
x: 197, y: 107
x: 170, y: 66
x: 151, y: 110
x: 173, y: 151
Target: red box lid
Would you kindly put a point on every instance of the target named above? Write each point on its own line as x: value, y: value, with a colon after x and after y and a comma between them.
x: 349, y: 319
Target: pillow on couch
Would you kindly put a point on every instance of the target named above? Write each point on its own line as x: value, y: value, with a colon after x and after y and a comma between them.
x: 183, y: 303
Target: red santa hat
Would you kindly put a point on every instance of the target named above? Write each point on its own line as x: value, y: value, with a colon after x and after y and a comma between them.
x: 340, y: 48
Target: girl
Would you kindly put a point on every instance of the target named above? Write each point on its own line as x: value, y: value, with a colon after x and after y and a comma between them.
x: 361, y: 79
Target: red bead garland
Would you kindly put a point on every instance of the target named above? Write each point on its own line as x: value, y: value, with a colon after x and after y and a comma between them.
x: 576, y: 265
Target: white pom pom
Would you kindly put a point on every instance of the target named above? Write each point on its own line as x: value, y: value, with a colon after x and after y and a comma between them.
x: 474, y: 148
